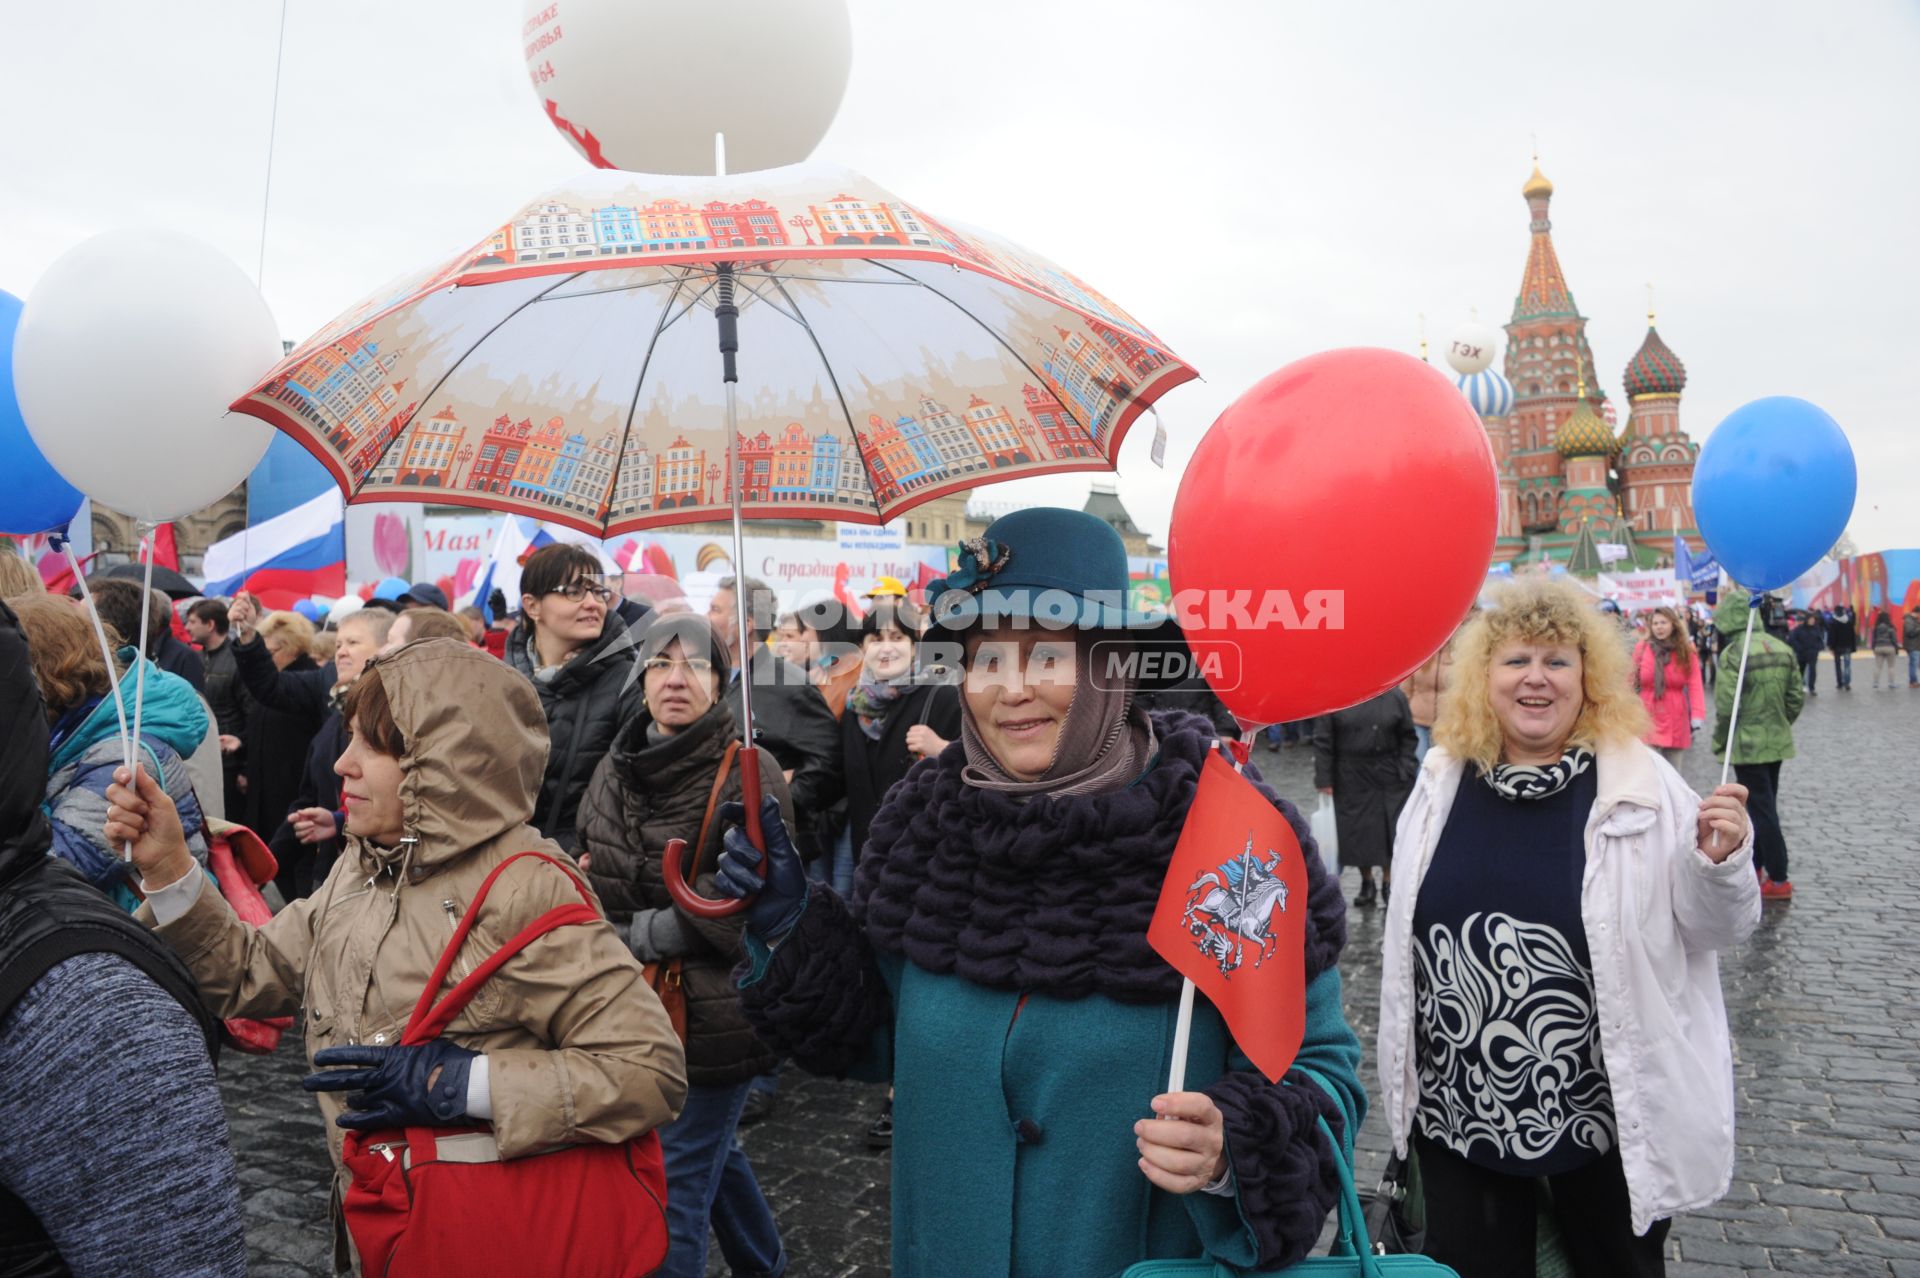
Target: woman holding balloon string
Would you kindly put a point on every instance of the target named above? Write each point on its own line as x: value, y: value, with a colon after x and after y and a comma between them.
x: 993, y: 960
x: 1558, y: 877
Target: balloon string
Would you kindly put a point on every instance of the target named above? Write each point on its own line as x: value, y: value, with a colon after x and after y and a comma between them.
x: 273, y: 127
x: 1733, y: 717
x: 106, y: 651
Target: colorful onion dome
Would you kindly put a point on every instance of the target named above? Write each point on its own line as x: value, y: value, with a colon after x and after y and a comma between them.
x: 1490, y: 394
x: 1537, y: 184
x: 1610, y: 415
x: 1654, y: 368
x: 1584, y: 434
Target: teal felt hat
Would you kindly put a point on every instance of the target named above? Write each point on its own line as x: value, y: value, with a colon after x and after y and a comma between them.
x: 1054, y: 569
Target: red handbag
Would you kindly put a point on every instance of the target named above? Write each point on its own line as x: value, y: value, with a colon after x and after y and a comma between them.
x: 427, y: 1202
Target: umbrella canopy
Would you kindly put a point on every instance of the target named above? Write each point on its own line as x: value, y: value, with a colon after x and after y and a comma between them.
x: 561, y: 368
x: 165, y: 580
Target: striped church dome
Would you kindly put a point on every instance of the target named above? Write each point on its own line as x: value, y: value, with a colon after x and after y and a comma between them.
x: 1655, y: 369
x: 1490, y: 394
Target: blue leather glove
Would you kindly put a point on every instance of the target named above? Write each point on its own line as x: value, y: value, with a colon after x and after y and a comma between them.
x: 779, y: 902
x: 424, y: 1086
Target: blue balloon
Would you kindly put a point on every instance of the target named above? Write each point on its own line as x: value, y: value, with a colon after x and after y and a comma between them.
x: 33, y: 496
x: 311, y: 611
x: 392, y: 588
x: 1773, y: 490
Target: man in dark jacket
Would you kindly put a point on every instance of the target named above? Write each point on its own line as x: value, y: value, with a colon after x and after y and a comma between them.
x: 106, y: 1055
x: 207, y: 625
x: 790, y: 717
x: 1808, y: 640
x: 1843, y: 640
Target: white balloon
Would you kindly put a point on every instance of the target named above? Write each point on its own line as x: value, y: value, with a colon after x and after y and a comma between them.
x: 129, y: 350
x: 644, y: 85
x: 1472, y: 347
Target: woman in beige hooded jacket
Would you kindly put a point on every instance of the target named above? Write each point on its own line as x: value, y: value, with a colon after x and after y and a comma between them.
x: 439, y: 780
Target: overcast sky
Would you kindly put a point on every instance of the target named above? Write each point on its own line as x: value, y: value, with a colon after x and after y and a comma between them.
x: 1335, y: 169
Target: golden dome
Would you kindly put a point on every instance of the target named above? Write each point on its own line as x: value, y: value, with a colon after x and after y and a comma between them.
x: 1537, y: 184
x: 1585, y: 433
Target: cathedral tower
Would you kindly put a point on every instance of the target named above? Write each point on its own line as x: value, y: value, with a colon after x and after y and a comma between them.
x: 1656, y: 457
x: 1548, y: 364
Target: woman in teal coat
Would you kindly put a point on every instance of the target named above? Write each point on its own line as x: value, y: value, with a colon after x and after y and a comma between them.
x: 993, y: 962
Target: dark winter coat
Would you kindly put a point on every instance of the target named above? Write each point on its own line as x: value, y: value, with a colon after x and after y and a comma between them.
x: 791, y: 718
x: 1807, y: 640
x: 288, y: 708
x: 643, y: 793
x: 223, y: 690
x: 586, y: 701
x: 319, y: 788
x: 1910, y: 630
x: 873, y: 767
x: 1885, y: 634
x: 175, y: 657
x: 995, y: 965
x: 1366, y: 753
x: 1843, y: 634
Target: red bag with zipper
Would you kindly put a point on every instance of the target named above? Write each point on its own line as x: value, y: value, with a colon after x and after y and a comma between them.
x: 427, y: 1202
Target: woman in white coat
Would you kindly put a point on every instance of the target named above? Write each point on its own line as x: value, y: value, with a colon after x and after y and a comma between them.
x: 1550, y: 1002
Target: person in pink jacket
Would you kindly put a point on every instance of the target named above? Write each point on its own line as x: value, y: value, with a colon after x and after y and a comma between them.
x: 1667, y: 672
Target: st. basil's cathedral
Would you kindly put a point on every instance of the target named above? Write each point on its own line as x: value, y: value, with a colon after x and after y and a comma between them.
x: 1568, y: 484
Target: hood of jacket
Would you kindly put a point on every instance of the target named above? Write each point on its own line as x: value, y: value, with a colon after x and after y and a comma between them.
x: 476, y: 748
x: 171, y: 712
x: 1730, y: 615
x: 24, y: 834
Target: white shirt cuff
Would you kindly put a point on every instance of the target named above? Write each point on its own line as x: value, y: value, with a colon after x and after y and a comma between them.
x: 176, y: 898
x: 479, y: 1089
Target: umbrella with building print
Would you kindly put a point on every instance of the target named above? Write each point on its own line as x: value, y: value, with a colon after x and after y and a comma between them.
x: 565, y: 367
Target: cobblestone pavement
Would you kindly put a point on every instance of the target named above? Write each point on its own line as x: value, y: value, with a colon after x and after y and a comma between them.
x: 1824, y: 1005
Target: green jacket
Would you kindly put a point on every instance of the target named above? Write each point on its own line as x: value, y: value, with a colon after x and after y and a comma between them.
x: 1773, y: 693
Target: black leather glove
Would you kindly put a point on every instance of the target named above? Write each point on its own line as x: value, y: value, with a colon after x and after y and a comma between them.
x: 777, y: 903
x: 423, y: 1086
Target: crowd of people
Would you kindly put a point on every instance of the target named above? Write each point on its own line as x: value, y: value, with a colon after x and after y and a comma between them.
x: 963, y: 835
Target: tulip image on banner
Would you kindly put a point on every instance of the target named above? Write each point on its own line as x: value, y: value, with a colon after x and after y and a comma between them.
x: 1232, y: 916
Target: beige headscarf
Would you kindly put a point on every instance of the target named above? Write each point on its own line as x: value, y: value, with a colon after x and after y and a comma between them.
x: 1104, y: 743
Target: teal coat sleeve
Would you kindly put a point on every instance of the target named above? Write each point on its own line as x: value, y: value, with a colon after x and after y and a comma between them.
x: 1285, y: 1176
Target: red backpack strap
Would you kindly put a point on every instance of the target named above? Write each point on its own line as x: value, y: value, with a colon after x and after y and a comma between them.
x: 429, y: 1019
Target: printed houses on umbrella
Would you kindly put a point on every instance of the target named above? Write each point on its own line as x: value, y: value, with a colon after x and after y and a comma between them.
x: 546, y: 370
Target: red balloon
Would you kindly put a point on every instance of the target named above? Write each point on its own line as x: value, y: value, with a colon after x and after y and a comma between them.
x: 1331, y: 531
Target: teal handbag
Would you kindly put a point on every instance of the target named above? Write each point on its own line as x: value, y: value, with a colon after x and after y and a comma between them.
x: 1353, y: 1255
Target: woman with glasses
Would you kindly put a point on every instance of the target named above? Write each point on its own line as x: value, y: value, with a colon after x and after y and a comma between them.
x: 578, y: 653
x: 669, y: 768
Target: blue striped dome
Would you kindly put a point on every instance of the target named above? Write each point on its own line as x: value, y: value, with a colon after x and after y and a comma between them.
x: 1490, y: 394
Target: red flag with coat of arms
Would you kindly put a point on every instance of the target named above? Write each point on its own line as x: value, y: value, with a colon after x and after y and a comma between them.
x: 1232, y: 916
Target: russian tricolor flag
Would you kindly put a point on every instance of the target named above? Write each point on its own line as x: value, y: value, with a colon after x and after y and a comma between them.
x: 286, y: 559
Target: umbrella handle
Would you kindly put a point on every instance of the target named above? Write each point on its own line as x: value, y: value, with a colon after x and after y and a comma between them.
x: 677, y: 885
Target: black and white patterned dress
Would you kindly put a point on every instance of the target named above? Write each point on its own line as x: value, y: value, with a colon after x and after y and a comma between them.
x: 1506, y: 1034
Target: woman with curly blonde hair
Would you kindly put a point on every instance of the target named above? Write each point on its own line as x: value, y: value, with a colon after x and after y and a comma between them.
x: 1550, y: 998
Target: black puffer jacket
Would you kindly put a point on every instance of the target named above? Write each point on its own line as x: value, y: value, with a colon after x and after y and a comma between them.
x: 645, y: 792
x: 586, y: 703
